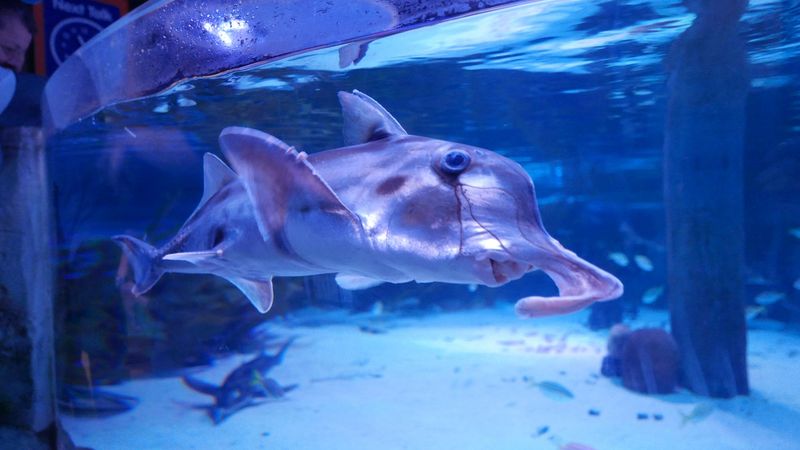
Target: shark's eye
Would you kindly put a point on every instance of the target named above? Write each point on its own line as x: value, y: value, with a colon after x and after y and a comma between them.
x: 455, y: 162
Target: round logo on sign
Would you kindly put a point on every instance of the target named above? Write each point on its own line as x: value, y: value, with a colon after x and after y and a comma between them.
x: 69, y: 35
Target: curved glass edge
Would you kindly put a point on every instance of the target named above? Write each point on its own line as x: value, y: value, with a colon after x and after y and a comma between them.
x: 167, y: 41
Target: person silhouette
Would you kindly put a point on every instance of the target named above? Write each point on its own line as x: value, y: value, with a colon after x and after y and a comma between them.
x: 20, y: 92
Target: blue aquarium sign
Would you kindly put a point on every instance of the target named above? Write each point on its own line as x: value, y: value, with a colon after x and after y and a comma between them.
x: 67, y: 24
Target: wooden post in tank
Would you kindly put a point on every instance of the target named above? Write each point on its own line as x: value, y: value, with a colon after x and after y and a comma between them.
x: 704, y: 144
x: 26, y: 289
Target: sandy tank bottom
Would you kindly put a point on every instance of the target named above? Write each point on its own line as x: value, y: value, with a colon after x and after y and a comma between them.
x: 463, y: 380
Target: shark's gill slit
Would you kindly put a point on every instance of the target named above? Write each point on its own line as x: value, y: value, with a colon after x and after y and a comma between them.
x: 219, y: 237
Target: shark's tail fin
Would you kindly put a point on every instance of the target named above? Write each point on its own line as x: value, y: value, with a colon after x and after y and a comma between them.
x: 142, y: 258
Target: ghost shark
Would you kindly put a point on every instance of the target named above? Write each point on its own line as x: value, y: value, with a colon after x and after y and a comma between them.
x: 387, y: 207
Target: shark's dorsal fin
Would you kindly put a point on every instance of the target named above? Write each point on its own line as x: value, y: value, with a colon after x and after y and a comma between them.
x: 259, y: 292
x: 365, y: 120
x: 355, y: 282
x: 279, y: 182
x: 216, y: 174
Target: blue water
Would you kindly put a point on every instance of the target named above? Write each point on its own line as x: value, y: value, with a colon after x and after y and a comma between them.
x: 575, y: 91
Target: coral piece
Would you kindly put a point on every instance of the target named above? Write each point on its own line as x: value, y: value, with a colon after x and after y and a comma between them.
x: 617, y: 337
x: 650, y: 361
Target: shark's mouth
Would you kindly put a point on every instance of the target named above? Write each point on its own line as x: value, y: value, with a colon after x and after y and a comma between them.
x: 505, y: 271
x: 497, y: 268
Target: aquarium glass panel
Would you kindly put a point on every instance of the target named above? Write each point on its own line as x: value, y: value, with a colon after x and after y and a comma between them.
x: 420, y: 240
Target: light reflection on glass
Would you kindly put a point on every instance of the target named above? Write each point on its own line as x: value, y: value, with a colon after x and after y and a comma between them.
x: 224, y: 30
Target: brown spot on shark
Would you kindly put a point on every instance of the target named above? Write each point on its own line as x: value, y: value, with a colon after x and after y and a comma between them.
x: 390, y: 185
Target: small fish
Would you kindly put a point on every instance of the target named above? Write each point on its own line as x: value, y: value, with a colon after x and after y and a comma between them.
x: 651, y: 295
x: 796, y: 284
x: 472, y: 287
x: 558, y: 441
x: 161, y: 108
x: 769, y: 297
x: 751, y: 312
x: 371, y: 330
x: 621, y: 259
x: 697, y: 414
x: 575, y: 446
x: 758, y: 280
x: 644, y: 263
x: 185, y: 102
x: 377, y: 308
x: 352, y: 53
x: 554, y: 391
x: 795, y: 232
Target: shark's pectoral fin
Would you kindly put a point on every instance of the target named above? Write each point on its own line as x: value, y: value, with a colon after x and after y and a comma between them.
x: 365, y: 119
x: 259, y: 292
x: 355, y: 282
x: 280, y: 182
